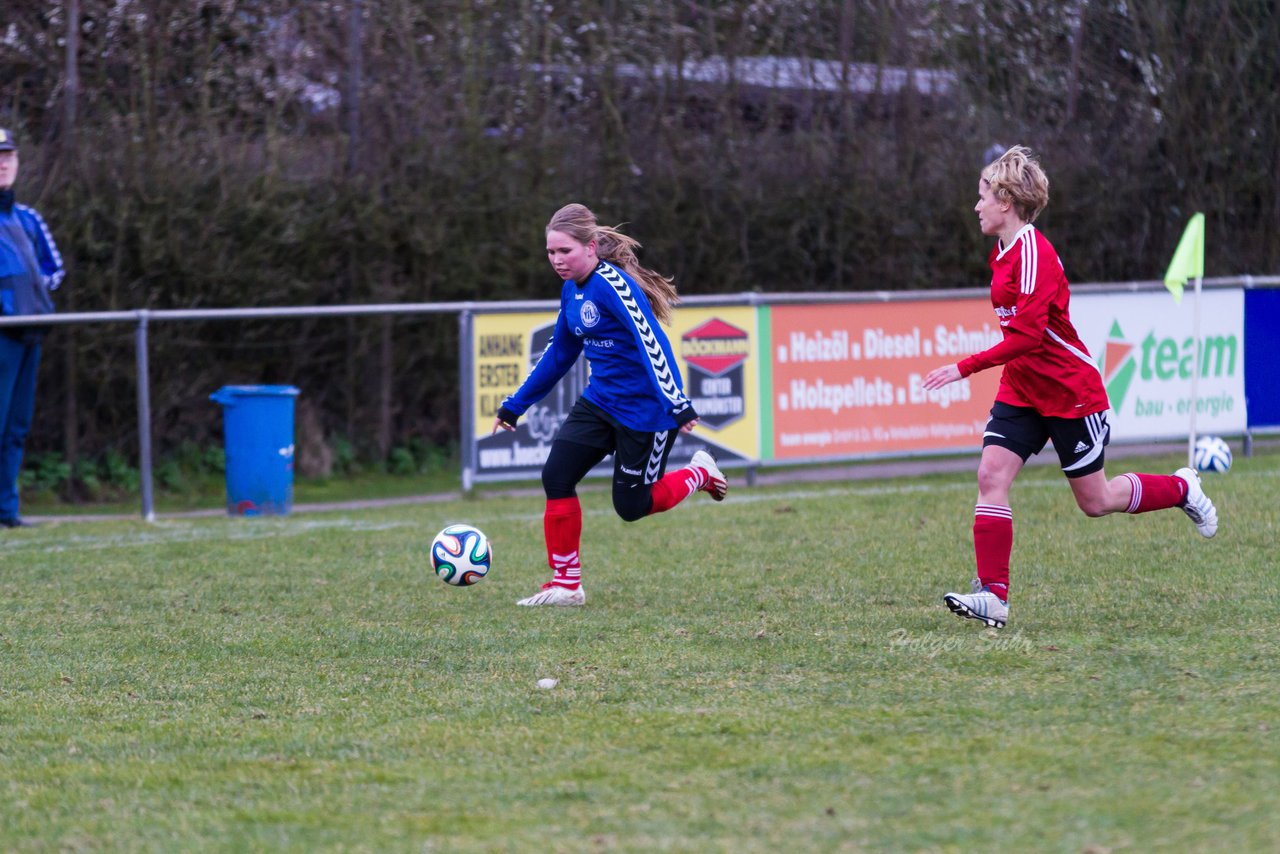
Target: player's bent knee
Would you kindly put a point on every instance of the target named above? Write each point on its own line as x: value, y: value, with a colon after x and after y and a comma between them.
x: 634, y: 506
x: 1093, y: 508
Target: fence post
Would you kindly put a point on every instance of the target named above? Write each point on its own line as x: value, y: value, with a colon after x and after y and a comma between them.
x: 466, y: 398
x: 144, y: 416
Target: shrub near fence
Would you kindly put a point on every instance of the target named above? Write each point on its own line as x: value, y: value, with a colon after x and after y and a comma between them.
x: 278, y: 153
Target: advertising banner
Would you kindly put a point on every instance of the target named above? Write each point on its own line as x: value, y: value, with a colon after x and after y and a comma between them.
x: 1144, y: 347
x: 505, y: 347
x: 846, y: 379
x: 790, y: 383
x: 716, y: 349
x: 1262, y: 361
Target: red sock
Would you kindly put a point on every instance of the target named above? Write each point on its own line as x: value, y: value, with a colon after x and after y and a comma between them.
x: 992, y: 545
x: 1155, y: 492
x: 676, y: 487
x: 562, y: 524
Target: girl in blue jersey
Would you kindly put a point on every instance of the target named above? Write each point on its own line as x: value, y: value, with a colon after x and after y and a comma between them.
x: 634, y: 402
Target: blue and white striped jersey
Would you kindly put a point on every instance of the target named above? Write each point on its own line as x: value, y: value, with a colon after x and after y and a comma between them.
x: 634, y: 376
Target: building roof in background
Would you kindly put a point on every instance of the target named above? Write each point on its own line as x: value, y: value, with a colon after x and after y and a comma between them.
x: 788, y: 72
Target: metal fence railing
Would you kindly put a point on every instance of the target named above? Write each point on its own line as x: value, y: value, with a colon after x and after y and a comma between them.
x: 141, y: 319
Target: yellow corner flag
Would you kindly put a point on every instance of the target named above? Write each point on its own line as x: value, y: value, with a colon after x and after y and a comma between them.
x: 1188, y: 259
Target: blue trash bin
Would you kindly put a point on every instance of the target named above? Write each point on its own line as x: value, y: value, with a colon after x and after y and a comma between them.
x: 258, y: 427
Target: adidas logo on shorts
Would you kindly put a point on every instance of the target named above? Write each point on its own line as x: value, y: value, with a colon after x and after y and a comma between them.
x: 1081, y: 446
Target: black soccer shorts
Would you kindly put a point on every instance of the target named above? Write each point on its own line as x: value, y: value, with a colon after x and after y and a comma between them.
x: 586, y: 437
x: 1078, y: 441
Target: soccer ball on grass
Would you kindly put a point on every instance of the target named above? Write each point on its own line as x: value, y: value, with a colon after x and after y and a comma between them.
x: 460, y: 555
x: 1212, y: 454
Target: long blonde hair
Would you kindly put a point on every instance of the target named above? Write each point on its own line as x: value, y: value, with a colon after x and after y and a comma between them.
x: 618, y: 249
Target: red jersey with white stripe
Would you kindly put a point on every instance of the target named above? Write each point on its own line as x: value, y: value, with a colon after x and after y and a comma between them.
x: 1046, y: 366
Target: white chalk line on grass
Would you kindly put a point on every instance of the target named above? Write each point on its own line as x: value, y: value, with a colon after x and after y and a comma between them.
x: 166, y: 531
x: 694, y: 503
x: 834, y: 489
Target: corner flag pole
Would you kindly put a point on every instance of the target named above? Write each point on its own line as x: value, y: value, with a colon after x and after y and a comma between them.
x: 1195, y: 376
x: 1188, y: 264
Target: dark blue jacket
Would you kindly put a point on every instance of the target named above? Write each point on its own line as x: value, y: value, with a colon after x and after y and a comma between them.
x: 30, y: 265
x: 634, y: 376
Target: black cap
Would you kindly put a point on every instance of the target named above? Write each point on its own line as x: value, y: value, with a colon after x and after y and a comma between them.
x: 7, y: 142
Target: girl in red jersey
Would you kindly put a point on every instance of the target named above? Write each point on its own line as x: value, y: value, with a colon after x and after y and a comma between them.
x: 1050, y: 389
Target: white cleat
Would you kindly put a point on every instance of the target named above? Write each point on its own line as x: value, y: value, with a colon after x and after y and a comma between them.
x: 1197, y: 505
x: 553, y: 594
x: 716, y: 483
x: 982, y: 605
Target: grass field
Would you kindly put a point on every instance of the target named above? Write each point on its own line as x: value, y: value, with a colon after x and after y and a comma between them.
x: 208, y: 492
x: 772, y: 674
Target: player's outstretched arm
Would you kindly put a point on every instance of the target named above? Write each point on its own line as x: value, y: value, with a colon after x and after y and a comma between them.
x: 939, y: 377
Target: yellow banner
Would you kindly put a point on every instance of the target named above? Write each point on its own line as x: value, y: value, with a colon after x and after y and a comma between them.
x: 718, y: 353
x: 716, y: 349
x: 505, y: 347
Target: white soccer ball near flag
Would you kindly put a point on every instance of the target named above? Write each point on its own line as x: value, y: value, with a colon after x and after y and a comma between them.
x: 1212, y: 454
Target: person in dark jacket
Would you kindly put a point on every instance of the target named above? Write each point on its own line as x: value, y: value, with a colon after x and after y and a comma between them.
x: 30, y: 269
